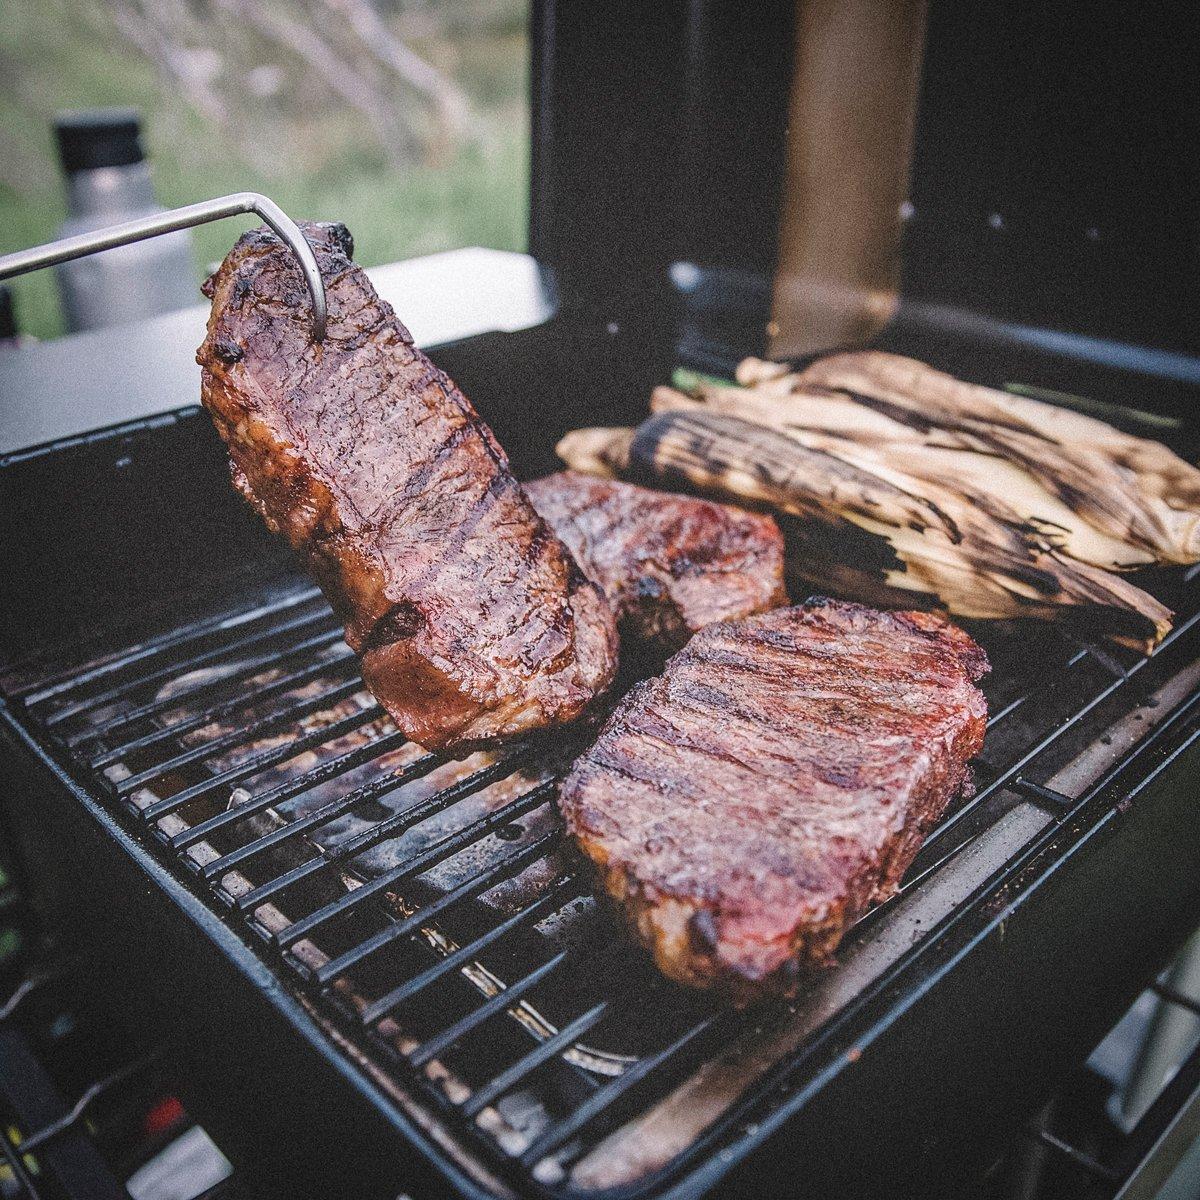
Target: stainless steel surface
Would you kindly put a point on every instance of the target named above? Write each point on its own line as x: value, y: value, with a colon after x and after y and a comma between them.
x: 171, y: 221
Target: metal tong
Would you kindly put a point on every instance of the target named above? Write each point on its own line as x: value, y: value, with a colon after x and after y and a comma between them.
x: 175, y: 219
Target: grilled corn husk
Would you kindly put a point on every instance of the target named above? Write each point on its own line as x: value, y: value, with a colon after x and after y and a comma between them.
x: 903, y: 484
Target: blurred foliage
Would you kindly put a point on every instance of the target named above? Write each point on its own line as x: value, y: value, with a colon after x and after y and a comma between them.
x: 293, y: 98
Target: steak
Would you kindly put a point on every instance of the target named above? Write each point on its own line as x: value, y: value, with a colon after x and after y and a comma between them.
x: 746, y: 806
x: 669, y: 565
x: 472, y: 620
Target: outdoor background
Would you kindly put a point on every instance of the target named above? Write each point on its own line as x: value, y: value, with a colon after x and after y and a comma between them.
x: 406, y: 119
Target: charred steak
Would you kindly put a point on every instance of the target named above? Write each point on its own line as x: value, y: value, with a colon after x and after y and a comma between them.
x: 669, y: 565
x: 473, y: 622
x: 746, y: 806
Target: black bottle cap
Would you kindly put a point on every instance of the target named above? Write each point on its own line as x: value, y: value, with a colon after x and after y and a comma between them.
x: 8, y: 315
x: 99, y: 137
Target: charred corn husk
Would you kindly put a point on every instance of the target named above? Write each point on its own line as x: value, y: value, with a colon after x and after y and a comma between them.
x: 906, y: 483
x: 846, y: 429
x: 1132, y: 488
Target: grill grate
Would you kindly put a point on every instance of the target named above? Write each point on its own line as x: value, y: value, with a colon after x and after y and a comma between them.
x: 431, y: 907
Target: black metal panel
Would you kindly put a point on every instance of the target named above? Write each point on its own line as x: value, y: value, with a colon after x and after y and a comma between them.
x: 658, y: 137
x: 98, y: 522
x: 607, y: 95
x: 1055, y: 179
x: 732, y: 136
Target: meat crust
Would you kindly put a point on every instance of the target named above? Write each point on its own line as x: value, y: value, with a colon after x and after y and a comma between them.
x: 473, y: 622
x: 669, y: 565
x: 745, y: 807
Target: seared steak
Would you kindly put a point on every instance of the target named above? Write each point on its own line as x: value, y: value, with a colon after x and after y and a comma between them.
x: 669, y: 565
x: 745, y: 807
x: 472, y: 620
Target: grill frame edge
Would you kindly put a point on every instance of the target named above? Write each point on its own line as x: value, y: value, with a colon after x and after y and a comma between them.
x: 273, y: 1030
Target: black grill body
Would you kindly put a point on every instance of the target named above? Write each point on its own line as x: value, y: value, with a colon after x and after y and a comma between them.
x: 936, y: 1051
x: 394, y: 978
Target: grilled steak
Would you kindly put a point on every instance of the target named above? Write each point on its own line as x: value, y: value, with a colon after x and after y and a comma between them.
x: 746, y: 806
x: 669, y: 565
x: 472, y: 620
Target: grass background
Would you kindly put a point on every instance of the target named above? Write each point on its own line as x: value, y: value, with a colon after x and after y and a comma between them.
x: 301, y: 145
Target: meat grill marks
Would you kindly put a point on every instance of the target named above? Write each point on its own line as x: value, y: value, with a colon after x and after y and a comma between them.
x: 472, y: 620
x: 669, y: 565
x: 745, y: 807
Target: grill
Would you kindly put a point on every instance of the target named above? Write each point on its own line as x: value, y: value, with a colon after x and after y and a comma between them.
x: 434, y: 925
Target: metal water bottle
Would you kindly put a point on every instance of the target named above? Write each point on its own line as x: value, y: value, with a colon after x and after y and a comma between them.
x: 108, y: 181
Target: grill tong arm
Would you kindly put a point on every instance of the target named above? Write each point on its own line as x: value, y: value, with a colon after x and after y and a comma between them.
x: 53, y: 253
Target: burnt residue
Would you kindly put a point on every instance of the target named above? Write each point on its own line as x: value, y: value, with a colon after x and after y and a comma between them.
x: 227, y: 351
x: 341, y: 237
x: 402, y: 621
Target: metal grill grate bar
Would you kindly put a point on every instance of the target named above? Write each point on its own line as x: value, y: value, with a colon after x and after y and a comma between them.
x: 1014, y: 769
x: 1054, y: 800
x: 327, y: 812
x: 498, y: 872
x: 322, y: 773
x: 240, y: 702
x: 436, y: 853
x: 72, y: 679
x: 393, y: 826
x: 497, y: 1004
x: 560, y: 892
x: 527, y: 1063
x: 1002, y: 714
x: 175, y: 670
x: 263, y: 727
x: 260, y: 762
x: 1084, y: 1161
x: 711, y: 1027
